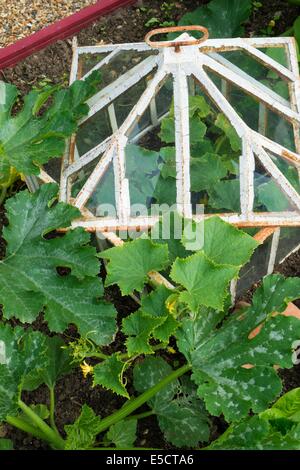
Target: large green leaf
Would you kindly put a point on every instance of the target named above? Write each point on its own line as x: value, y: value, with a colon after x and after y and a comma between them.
x: 218, y: 358
x: 257, y: 433
x: 21, y: 353
x: 223, y: 18
x: 82, y: 434
x: 273, y: 295
x: 205, y: 282
x: 29, y: 276
x: 59, y: 364
x: 181, y: 415
x: 130, y: 264
x: 148, y: 373
x: 28, y: 140
x: 198, y: 106
x: 169, y: 162
x: 224, y: 243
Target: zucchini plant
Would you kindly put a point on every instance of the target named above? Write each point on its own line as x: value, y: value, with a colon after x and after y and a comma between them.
x: 222, y: 369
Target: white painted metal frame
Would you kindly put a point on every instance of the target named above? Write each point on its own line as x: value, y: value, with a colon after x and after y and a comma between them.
x: 190, y: 61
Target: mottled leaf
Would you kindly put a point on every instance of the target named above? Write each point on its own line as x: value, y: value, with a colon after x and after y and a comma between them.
x: 59, y: 364
x: 181, y: 415
x: 148, y: 373
x: 21, y: 353
x: 218, y: 358
x: 255, y: 433
x: 30, y: 280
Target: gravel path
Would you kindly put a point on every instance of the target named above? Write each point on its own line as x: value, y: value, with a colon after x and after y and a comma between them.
x: 20, y: 18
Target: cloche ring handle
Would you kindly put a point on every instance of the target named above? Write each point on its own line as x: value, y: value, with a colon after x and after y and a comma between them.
x: 176, y: 44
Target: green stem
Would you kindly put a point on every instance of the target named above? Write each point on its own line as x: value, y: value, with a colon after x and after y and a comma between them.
x: 50, y: 435
x: 220, y: 143
x: 52, y: 409
x: 3, y: 195
x: 26, y: 427
x: 132, y: 405
x: 98, y: 354
x: 122, y: 356
x: 141, y: 415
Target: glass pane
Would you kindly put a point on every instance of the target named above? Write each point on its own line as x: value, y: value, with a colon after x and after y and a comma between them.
x: 289, y: 241
x: 93, y: 131
x: 164, y: 97
x: 269, y: 197
x: 255, y: 269
x: 120, y: 64
x: 264, y: 75
x: 256, y: 114
x: 102, y: 203
x: 215, y: 149
x: 53, y: 168
x: 79, y: 179
x: 125, y: 102
x: 279, y: 54
x: 287, y: 169
x: 87, y: 61
x: 280, y: 130
x: 150, y: 156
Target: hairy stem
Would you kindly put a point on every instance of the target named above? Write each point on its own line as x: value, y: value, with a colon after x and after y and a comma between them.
x: 141, y: 415
x: 132, y: 405
x: 49, y: 434
x: 26, y: 427
x: 121, y: 356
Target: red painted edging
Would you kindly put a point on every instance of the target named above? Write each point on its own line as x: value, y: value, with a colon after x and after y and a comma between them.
x: 13, y: 53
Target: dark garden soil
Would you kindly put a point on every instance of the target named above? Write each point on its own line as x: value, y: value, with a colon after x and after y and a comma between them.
x: 126, y: 25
